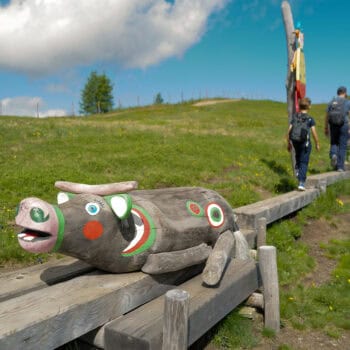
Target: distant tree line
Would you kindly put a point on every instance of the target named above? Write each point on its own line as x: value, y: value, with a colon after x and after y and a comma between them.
x: 97, y: 95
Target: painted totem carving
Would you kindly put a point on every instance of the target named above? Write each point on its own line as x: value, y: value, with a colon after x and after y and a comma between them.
x: 120, y: 229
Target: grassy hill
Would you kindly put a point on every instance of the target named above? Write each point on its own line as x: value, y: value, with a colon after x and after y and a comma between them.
x: 237, y: 148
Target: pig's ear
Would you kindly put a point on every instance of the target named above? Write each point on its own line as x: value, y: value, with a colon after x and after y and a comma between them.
x: 121, y: 205
x: 63, y: 197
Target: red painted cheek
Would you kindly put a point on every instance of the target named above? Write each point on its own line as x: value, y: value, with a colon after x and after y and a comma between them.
x: 93, y: 230
x: 195, y: 209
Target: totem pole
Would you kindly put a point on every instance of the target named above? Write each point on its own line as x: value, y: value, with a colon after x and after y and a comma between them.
x: 296, y: 76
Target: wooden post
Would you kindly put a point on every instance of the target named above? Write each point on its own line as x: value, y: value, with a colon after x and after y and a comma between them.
x: 175, y: 325
x: 322, y: 186
x: 261, y: 236
x: 268, y: 270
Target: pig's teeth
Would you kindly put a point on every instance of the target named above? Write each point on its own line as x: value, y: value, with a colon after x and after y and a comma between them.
x: 28, y: 238
x: 21, y: 235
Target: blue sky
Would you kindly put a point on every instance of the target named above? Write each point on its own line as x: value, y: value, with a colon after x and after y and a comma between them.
x: 183, y: 49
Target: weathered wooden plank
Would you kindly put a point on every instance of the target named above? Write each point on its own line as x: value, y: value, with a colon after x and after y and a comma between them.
x: 268, y: 268
x: 251, y: 236
x: 175, y: 325
x: 327, y: 178
x: 274, y: 208
x: 19, y: 282
x: 46, y: 319
x: 261, y: 232
x: 142, y: 328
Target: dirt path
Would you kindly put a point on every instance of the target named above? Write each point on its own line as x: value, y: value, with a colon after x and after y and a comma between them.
x: 213, y: 102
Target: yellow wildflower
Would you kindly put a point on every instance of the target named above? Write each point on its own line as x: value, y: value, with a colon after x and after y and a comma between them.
x: 340, y: 202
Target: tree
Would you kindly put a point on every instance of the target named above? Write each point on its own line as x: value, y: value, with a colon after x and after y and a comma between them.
x: 96, y: 97
x: 158, y: 100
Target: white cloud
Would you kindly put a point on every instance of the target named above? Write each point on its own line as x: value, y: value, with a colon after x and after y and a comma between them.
x: 24, y: 106
x: 41, y: 36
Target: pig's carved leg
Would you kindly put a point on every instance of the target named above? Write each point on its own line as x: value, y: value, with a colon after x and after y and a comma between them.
x: 221, y: 253
x: 177, y: 260
x: 218, y: 259
x: 242, y: 250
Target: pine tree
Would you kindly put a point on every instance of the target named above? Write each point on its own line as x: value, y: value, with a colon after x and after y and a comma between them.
x: 96, y: 97
x: 158, y: 100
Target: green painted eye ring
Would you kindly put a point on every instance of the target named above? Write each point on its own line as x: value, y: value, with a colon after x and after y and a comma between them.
x: 38, y: 215
x: 215, y: 215
x: 194, y: 208
x: 121, y: 204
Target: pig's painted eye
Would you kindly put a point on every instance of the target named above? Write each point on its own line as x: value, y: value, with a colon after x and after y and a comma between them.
x: 215, y: 215
x: 38, y: 215
x: 92, y: 208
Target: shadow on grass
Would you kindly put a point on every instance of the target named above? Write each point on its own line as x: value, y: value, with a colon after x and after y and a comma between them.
x: 314, y: 171
x: 286, y: 184
x: 275, y: 167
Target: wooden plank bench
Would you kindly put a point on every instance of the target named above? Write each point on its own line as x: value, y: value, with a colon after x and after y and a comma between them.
x: 274, y: 208
x: 327, y: 179
x: 142, y: 328
x: 22, y: 281
x: 45, y: 316
x: 277, y: 207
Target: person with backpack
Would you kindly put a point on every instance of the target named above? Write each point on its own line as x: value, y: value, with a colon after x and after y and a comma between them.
x: 337, y: 126
x: 298, y: 136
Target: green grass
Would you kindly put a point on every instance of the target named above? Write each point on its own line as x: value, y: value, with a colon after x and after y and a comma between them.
x: 235, y: 332
x: 237, y: 149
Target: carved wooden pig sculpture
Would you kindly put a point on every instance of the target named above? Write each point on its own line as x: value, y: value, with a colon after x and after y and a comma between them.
x: 119, y: 229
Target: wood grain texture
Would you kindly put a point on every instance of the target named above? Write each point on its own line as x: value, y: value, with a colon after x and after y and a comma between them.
x: 326, y: 179
x: 218, y: 259
x: 175, y: 320
x: 274, y: 208
x: 261, y: 232
x: 142, y: 328
x: 178, y: 260
x: 268, y: 269
x: 19, y: 282
x: 60, y: 313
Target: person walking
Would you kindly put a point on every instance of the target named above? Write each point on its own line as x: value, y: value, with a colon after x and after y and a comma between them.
x: 337, y: 127
x: 298, y: 136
